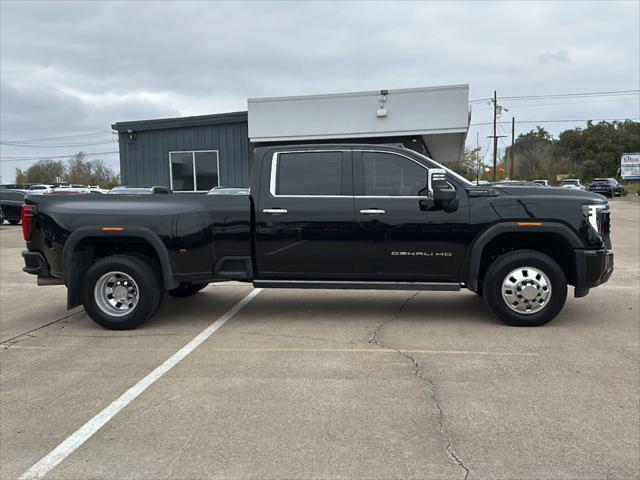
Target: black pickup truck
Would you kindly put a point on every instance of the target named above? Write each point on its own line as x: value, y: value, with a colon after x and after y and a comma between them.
x: 325, y: 216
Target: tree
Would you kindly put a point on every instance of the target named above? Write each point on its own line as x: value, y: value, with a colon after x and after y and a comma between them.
x: 90, y: 172
x: 602, y: 143
x: 79, y: 169
x: 538, y: 155
x: 103, y: 174
x: 468, y: 165
x: 43, y: 171
x: 532, y: 154
x: 590, y: 169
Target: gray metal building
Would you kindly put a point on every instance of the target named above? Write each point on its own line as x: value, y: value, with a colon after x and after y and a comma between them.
x: 212, y: 150
x: 197, y: 153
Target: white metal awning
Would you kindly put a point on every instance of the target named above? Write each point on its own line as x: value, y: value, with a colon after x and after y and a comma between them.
x: 440, y: 115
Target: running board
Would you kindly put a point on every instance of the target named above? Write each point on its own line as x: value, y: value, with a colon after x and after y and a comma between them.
x: 357, y: 285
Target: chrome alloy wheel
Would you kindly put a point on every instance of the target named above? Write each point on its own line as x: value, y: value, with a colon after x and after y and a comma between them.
x: 526, y: 290
x: 116, y: 294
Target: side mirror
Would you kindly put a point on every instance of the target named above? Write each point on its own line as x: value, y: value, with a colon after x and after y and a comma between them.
x: 442, y: 193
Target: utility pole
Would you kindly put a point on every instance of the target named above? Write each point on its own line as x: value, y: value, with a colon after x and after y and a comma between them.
x: 513, y: 140
x: 478, y: 157
x: 495, y: 136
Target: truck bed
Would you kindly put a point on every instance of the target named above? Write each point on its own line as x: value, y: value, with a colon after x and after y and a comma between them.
x: 197, y: 230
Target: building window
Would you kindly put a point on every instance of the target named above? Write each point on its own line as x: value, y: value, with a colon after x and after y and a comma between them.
x: 196, y: 171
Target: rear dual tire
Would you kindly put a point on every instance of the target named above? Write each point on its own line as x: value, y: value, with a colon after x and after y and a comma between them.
x: 120, y: 292
x: 525, y: 288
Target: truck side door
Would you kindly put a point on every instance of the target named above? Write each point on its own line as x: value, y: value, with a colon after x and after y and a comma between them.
x: 397, y: 238
x: 305, y: 223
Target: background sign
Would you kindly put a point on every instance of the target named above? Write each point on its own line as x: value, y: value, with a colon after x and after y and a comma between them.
x: 630, y: 166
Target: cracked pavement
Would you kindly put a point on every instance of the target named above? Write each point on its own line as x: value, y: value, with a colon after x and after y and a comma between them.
x: 328, y: 384
x: 418, y: 372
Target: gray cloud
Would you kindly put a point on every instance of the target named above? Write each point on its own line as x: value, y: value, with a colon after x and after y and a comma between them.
x: 79, y: 66
x: 560, y: 56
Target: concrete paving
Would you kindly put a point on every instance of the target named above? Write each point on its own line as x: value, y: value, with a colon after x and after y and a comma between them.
x: 329, y: 384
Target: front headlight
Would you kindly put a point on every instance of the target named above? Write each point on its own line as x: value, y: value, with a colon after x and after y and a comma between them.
x: 591, y: 211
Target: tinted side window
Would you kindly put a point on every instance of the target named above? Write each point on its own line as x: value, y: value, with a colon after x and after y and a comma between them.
x: 309, y: 173
x: 13, y: 196
x: 386, y: 174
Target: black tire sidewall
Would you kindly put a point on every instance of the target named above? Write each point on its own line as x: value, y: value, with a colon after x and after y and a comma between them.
x: 501, y: 267
x: 149, y: 291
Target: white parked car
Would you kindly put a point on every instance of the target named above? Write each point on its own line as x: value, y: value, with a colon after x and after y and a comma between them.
x: 544, y: 183
x: 69, y: 190
x: 573, y: 184
x: 37, y: 188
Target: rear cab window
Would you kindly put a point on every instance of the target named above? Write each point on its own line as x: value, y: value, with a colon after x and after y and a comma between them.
x: 310, y: 173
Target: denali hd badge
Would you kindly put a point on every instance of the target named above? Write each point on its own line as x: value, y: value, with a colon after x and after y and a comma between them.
x: 422, y: 254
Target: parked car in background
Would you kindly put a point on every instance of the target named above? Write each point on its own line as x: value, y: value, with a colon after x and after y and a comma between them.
x: 517, y: 183
x: 573, y: 184
x: 544, y: 183
x: 228, y: 191
x: 11, y: 202
x: 68, y: 190
x: 38, y: 188
x: 139, y: 190
x: 97, y: 189
x: 609, y: 187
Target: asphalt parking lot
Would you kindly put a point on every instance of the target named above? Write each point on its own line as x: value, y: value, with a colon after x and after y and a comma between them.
x: 327, y: 384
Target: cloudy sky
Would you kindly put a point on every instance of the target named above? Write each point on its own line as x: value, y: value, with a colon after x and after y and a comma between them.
x: 72, y: 69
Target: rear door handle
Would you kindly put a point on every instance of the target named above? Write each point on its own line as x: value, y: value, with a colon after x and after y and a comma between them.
x: 274, y: 211
x: 373, y: 211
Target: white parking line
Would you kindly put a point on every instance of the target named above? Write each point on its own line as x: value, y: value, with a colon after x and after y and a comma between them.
x: 84, y: 433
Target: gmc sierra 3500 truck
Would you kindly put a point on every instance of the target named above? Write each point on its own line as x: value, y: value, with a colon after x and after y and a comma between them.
x: 325, y: 216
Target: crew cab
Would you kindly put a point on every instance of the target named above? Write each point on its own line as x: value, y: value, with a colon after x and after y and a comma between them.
x: 343, y: 216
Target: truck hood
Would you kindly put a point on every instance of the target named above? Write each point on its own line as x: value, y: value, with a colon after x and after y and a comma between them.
x: 560, y: 193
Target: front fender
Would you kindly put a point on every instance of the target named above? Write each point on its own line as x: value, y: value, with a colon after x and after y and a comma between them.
x: 474, y: 256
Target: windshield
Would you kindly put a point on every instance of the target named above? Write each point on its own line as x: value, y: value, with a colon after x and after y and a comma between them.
x: 570, y: 182
x: 457, y: 176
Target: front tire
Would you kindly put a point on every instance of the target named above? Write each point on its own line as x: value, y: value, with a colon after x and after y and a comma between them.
x: 525, y: 288
x: 14, y: 222
x: 120, y: 292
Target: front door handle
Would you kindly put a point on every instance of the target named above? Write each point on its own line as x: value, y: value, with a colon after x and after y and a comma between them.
x: 274, y: 211
x: 373, y: 211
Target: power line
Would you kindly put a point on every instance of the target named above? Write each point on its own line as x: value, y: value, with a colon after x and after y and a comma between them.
x: 564, y: 95
x: 562, y: 121
x: 552, y: 104
x: 50, y: 145
x: 486, y: 150
x: 66, y: 137
x: 7, y: 158
x: 575, y: 95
